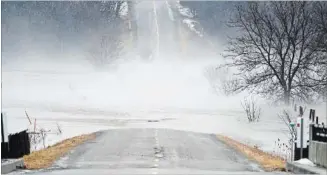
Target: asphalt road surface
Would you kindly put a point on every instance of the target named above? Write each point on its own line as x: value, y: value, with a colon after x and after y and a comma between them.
x: 153, y: 151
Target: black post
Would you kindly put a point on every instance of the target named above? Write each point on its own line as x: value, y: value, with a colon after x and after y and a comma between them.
x: 301, y: 140
x: 301, y: 111
x: 2, y: 131
x: 317, y: 120
x: 310, y: 132
x: 313, y: 115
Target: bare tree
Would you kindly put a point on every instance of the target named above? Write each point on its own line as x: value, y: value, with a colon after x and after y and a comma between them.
x: 105, y: 49
x: 320, y: 20
x: 287, y: 120
x: 252, y: 110
x: 275, y: 52
x: 106, y: 45
x: 111, y: 8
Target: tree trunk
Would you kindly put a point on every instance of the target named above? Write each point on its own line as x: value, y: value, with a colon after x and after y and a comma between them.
x: 287, y: 96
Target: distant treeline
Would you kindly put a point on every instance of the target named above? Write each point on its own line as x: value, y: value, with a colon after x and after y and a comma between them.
x: 53, y: 26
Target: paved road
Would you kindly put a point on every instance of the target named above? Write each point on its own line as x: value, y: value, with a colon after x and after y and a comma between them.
x: 157, y: 148
x: 159, y: 28
x: 153, y: 151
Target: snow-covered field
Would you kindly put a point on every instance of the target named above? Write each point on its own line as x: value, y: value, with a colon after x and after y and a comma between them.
x: 71, y: 95
x: 82, y: 100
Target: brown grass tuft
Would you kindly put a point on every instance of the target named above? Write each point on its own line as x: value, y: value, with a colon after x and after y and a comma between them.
x: 44, y: 158
x: 267, y: 161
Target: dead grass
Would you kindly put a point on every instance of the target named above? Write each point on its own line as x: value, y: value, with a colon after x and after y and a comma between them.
x: 267, y: 161
x: 45, y: 158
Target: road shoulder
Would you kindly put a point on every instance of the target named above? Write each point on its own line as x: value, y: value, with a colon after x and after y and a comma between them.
x: 46, y: 157
x: 267, y: 161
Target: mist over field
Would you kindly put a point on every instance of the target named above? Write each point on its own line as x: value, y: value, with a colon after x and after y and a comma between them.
x: 79, y: 64
x: 47, y: 60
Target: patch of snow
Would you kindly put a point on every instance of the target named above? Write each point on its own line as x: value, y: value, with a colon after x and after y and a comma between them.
x: 305, y: 162
x: 194, y: 26
x: 170, y: 11
x: 191, y: 23
x: 8, y: 161
x: 123, y: 12
x: 186, y: 12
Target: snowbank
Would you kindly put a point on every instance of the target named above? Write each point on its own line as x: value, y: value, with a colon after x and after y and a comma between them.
x: 305, y: 162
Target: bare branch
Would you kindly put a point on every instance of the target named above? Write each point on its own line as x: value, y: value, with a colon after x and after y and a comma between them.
x: 277, y: 50
x: 251, y: 109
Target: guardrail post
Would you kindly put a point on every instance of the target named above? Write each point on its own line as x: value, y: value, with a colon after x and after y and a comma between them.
x: 317, y: 120
x: 310, y: 132
x: 301, y: 140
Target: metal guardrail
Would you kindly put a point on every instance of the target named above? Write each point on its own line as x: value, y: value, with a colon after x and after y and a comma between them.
x: 318, y: 144
x: 319, y: 133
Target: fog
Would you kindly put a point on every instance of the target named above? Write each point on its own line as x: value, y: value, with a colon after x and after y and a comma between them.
x: 58, y: 65
x: 45, y: 66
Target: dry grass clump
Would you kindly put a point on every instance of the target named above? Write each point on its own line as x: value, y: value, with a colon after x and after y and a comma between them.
x: 44, y: 158
x: 267, y: 161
